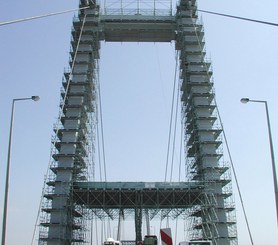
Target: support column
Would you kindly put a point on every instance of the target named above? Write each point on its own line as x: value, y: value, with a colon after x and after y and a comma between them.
x: 138, y: 224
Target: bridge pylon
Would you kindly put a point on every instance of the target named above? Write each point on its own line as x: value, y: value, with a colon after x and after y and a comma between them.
x: 71, y: 197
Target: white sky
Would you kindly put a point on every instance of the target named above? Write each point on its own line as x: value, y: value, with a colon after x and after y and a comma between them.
x: 244, y: 57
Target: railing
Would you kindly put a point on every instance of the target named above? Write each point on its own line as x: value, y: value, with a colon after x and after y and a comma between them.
x: 128, y: 242
x: 143, y: 12
x: 139, y: 7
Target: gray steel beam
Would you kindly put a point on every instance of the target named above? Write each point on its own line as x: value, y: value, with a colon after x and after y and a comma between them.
x: 130, y: 195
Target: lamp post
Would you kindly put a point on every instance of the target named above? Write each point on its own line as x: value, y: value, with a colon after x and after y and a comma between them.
x: 246, y: 100
x: 3, y: 241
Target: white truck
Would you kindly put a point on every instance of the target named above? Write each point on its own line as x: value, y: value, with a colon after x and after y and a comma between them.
x: 111, y: 241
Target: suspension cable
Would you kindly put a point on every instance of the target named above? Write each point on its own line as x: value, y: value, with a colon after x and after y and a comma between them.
x: 235, y: 175
x: 72, y: 10
x: 239, y: 18
x: 59, y: 119
x: 99, y: 154
x: 174, y: 136
x: 40, y: 16
x: 180, y: 160
x: 102, y: 133
x: 171, y: 117
x: 92, y: 230
x: 176, y: 232
x: 91, y: 163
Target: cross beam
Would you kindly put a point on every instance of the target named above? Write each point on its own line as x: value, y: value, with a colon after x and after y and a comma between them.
x: 143, y: 195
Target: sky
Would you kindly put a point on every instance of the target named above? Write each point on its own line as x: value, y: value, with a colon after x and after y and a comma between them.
x: 136, y: 88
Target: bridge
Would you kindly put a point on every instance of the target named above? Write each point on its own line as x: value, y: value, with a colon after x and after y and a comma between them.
x: 71, y: 198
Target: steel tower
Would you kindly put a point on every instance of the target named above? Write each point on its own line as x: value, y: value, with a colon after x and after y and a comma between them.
x: 70, y: 198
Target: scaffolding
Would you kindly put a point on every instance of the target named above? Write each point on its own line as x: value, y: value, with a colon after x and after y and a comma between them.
x: 71, y: 199
x: 137, y: 7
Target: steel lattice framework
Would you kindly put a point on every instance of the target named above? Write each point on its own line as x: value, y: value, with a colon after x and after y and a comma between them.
x: 70, y: 197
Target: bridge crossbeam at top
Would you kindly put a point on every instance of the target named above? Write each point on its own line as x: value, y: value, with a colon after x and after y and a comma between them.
x: 129, y: 28
x: 138, y: 29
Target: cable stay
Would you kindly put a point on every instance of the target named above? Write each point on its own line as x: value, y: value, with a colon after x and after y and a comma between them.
x: 235, y: 176
x: 171, y: 124
x: 175, y: 132
x: 101, y: 132
x: 73, y: 10
x: 239, y: 18
x: 40, y: 16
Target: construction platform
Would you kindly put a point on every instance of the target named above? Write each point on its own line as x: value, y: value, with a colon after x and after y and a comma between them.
x: 137, y: 195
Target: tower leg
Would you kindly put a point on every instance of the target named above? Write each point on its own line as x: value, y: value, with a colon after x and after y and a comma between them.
x: 138, y: 224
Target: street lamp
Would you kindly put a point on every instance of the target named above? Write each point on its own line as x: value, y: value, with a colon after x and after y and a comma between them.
x: 3, y: 241
x: 246, y: 100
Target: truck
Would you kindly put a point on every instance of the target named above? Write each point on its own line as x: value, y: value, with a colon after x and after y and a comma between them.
x: 150, y: 240
x: 111, y: 241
